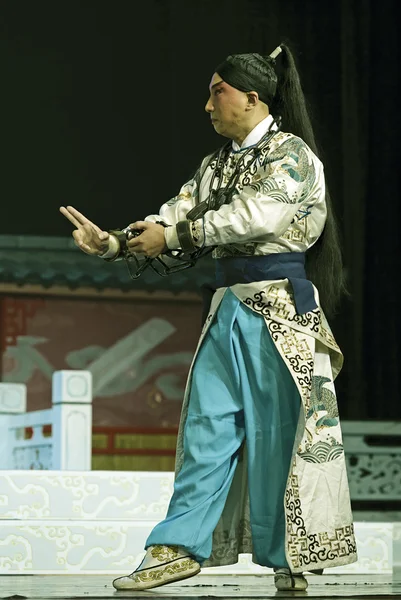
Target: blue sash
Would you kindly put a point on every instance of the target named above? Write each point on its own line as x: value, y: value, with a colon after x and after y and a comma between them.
x: 248, y: 269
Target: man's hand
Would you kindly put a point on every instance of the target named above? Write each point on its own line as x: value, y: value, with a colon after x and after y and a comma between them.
x: 87, y: 236
x: 151, y: 242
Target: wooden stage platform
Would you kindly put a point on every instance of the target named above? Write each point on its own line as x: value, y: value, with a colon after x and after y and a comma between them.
x: 21, y: 587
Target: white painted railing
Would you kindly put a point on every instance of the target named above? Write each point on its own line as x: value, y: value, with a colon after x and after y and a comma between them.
x: 56, y: 438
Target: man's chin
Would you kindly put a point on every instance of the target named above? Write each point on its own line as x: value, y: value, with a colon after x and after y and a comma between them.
x: 218, y: 128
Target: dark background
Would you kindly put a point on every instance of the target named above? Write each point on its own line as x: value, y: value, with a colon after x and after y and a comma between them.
x: 102, y: 103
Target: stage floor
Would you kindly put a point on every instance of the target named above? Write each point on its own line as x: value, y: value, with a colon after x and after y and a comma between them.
x: 20, y: 587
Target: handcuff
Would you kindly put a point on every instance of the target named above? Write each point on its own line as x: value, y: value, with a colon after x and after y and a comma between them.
x: 136, y: 266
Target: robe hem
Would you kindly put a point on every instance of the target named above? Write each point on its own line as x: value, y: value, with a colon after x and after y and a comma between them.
x: 328, y: 564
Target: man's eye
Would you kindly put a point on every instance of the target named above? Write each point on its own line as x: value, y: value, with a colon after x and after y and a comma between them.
x: 216, y: 92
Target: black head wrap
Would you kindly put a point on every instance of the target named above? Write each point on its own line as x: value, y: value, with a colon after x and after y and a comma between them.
x: 251, y: 72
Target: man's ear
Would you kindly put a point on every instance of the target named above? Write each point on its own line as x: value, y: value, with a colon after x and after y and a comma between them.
x: 253, y: 99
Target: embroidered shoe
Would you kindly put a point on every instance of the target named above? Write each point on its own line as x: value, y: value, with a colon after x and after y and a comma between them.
x: 161, y: 565
x: 286, y: 581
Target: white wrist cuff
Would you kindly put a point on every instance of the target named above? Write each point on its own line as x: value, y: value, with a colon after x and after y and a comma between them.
x: 114, y: 248
x: 171, y: 237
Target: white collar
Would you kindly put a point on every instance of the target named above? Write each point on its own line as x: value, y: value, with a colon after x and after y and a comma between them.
x: 255, y: 135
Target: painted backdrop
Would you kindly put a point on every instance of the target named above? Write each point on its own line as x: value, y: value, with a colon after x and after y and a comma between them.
x: 139, y: 353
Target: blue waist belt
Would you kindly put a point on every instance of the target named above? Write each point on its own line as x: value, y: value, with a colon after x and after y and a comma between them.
x: 248, y: 269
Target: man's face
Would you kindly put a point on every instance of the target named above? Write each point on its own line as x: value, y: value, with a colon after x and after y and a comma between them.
x: 226, y: 106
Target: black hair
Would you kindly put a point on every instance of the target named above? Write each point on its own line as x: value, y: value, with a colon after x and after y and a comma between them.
x: 250, y: 72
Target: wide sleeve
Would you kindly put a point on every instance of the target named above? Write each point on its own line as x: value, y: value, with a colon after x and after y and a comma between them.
x: 287, y: 182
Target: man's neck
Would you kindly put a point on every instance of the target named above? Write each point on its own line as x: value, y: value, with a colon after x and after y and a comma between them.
x: 243, y: 134
x: 241, y: 137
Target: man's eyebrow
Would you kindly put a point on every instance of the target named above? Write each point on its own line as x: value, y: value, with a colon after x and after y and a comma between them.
x: 216, y: 84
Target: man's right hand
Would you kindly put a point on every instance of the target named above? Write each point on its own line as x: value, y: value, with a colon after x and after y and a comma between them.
x: 87, y: 236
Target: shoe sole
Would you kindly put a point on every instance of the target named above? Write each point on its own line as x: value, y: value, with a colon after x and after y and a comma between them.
x: 290, y: 588
x: 149, y: 586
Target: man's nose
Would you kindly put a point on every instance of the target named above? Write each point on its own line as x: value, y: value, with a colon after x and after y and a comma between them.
x: 209, y: 106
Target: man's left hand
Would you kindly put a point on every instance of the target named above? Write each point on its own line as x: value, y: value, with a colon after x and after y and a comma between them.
x: 151, y: 242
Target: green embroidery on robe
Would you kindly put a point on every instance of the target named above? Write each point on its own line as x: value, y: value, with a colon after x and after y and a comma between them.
x: 323, y: 399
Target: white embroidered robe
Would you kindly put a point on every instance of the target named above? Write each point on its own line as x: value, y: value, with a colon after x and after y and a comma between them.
x: 279, y: 206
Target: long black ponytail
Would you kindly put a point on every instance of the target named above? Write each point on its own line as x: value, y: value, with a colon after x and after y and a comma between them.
x: 324, y: 264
